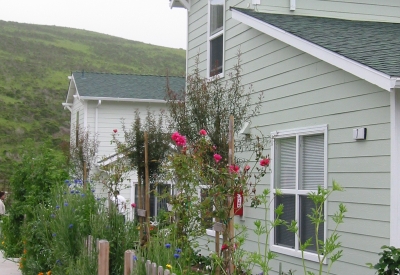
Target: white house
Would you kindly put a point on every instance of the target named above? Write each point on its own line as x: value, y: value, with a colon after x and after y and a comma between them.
x: 330, y: 74
x: 99, y: 101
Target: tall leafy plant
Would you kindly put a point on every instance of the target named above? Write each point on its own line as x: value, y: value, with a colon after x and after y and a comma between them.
x: 39, y: 169
x: 207, y: 105
x: 325, y: 249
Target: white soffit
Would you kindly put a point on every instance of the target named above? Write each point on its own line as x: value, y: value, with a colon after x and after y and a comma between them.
x: 364, y: 72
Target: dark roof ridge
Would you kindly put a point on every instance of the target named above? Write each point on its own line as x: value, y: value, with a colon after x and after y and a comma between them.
x: 86, y: 72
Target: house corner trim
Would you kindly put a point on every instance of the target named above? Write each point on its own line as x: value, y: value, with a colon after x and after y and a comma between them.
x: 394, y: 167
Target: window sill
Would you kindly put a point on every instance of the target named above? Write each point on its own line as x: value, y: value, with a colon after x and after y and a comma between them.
x: 313, y: 257
x: 215, y: 77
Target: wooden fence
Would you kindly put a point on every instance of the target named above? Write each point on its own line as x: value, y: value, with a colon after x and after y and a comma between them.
x: 103, y: 249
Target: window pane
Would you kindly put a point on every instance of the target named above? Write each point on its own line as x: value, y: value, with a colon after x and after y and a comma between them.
x: 285, y: 163
x: 282, y: 235
x: 207, y: 217
x: 216, y: 62
x: 163, y: 191
x: 306, y: 227
x: 216, y: 16
x: 312, y: 162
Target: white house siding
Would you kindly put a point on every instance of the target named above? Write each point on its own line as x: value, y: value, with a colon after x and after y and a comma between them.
x: 300, y: 91
x: 77, y: 106
x: 109, y: 117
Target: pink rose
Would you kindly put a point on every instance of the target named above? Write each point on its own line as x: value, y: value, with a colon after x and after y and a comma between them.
x: 203, y: 132
x: 174, y: 136
x: 217, y: 158
x: 180, y: 140
x: 224, y: 247
x: 214, y: 147
x: 234, y: 169
x: 133, y: 205
x: 247, y: 167
x: 264, y: 162
x: 115, y: 130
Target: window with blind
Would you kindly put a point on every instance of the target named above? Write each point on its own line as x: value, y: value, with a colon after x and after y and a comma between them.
x: 299, y: 168
x: 216, y: 37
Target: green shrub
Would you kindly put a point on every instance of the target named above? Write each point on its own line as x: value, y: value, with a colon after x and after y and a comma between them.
x: 389, y: 262
x: 55, y: 238
x: 39, y: 170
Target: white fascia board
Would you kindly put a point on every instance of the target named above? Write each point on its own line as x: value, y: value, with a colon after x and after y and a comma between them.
x: 364, y: 72
x: 110, y: 159
x: 67, y: 106
x: 71, y: 82
x: 122, y: 99
x: 76, y: 88
x: 179, y: 4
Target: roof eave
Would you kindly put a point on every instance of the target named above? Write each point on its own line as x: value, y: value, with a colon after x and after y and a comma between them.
x: 395, y: 82
x: 179, y: 4
x: 364, y: 72
x: 68, y: 103
x: 122, y: 99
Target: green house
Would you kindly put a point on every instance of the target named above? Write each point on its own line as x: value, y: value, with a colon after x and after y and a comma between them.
x: 330, y: 75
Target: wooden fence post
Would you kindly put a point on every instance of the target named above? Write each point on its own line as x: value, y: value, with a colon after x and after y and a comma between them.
x: 89, y: 244
x: 153, y: 269
x: 129, y: 262
x: 104, y: 257
x: 148, y: 266
x: 160, y: 270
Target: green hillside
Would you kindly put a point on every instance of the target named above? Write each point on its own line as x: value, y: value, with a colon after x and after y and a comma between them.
x: 34, y: 64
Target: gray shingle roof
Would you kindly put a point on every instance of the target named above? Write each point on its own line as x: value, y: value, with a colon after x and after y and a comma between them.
x: 125, y: 85
x: 374, y: 44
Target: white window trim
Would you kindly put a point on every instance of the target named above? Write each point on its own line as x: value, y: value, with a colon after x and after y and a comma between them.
x: 211, y: 37
x: 320, y: 129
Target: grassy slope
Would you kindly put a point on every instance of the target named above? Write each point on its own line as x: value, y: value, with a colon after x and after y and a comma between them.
x: 34, y: 64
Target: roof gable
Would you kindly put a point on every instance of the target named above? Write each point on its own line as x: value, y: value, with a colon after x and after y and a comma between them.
x: 126, y: 86
x: 366, y: 49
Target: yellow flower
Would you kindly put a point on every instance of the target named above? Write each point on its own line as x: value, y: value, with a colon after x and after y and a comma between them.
x: 169, y: 266
x: 25, y: 251
x: 48, y: 272
x: 2, y: 242
x: 40, y: 273
x: 21, y: 265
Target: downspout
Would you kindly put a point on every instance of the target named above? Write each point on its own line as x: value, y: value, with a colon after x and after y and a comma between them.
x: 97, y: 117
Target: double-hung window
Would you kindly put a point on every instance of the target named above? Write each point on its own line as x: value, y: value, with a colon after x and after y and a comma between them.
x: 216, y: 37
x: 299, y: 167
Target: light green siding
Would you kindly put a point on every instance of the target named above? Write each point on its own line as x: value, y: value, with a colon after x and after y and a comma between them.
x: 365, y: 10
x: 300, y: 91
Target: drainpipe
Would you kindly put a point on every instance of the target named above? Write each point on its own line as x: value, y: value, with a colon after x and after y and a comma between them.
x: 97, y: 116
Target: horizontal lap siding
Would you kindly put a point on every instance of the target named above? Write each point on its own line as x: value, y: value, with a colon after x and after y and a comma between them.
x: 77, y: 106
x: 197, y: 36
x: 367, y: 10
x: 110, y: 115
x: 300, y: 90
